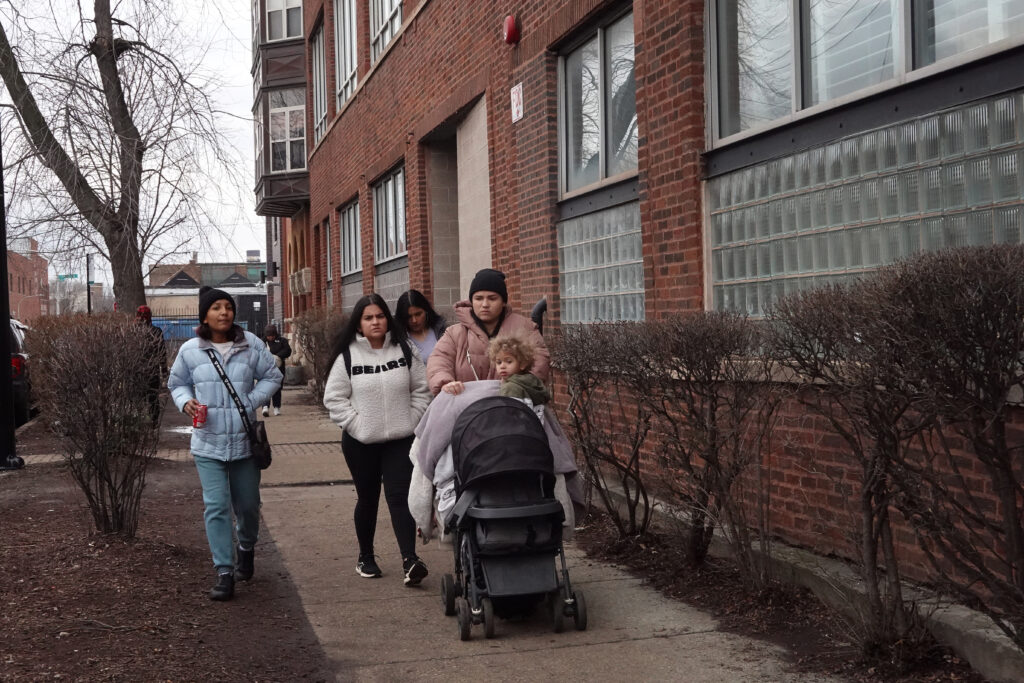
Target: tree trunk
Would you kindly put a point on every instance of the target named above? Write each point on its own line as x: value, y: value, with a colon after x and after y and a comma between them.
x: 126, y: 264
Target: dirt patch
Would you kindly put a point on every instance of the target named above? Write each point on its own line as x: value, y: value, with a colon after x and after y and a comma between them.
x: 80, y: 606
x: 816, y: 638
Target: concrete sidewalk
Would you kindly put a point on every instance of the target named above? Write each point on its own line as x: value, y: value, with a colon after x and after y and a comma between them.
x: 377, y: 630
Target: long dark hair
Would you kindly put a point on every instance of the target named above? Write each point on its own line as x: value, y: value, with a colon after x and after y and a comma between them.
x: 413, y: 297
x: 351, y: 329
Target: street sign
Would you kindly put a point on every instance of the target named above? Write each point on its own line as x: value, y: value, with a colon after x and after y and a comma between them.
x: 69, y: 276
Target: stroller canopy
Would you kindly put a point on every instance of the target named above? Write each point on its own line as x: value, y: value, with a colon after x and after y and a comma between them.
x: 496, y: 435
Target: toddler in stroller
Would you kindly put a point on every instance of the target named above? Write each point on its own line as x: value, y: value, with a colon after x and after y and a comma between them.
x: 506, y: 523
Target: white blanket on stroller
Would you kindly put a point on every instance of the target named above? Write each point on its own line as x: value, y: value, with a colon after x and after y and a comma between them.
x: 432, y: 461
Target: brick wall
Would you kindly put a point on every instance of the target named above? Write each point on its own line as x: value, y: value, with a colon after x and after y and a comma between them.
x: 28, y: 283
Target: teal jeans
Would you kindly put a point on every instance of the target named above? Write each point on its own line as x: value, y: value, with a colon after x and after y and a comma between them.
x: 229, y: 486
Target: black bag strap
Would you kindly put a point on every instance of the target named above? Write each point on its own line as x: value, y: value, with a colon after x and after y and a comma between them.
x: 406, y: 351
x: 231, y: 389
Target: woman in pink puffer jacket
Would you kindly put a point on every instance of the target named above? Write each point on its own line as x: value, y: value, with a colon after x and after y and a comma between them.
x: 461, y: 354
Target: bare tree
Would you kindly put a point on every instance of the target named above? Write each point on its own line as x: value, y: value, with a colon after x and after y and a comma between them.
x: 99, y: 409
x: 123, y: 126
x: 608, y: 424
x: 962, y: 491
x: 838, y: 345
x: 711, y: 391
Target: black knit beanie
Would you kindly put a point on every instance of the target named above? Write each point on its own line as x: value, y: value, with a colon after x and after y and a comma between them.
x: 207, y: 297
x: 489, y: 280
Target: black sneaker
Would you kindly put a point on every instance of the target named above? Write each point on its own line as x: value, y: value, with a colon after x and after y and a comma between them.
x: 367, y: 567
x: 225, y: 587
x: 415, y: 570
x: 246, y: 563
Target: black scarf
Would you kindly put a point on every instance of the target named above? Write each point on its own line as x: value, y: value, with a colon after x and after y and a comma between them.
x: 480, y: 324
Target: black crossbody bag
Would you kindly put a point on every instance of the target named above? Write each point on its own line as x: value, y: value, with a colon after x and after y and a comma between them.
x: 259, y: 445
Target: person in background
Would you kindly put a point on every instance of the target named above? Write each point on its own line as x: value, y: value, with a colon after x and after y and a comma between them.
x: 220, y: 447
x: 157, y: 352
x: 281, y: 349
x: 376, y: 391
x: 417, y: 319
x: 461, y: 354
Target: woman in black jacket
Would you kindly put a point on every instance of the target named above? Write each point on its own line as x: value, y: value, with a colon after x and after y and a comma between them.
x: 281, y: 350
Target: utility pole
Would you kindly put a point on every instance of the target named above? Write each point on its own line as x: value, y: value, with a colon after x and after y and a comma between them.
x: 88, y: 283
x: 9, y: 459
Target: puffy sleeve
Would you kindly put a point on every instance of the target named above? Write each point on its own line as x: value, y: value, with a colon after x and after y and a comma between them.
x: 441, y: 363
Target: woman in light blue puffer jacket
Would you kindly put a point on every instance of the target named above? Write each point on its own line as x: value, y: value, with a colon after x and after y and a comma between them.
x: 220, y: 447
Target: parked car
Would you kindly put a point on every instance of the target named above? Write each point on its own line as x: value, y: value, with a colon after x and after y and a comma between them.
x: 20, y: 375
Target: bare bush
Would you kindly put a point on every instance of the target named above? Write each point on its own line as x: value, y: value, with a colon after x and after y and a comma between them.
x: 316, y: 330
x: 962, y: 314
x: 838, y: 345
x: 711, y: 391
x: 87, y: 371
x: 608, y: 423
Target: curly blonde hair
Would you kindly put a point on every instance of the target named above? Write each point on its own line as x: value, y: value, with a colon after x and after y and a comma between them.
x: 515, y: 346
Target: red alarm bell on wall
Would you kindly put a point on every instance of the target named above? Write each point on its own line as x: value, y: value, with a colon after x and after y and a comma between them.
x: 510, y: 32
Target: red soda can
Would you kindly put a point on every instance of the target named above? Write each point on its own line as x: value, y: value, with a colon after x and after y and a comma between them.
x: 199, y: 419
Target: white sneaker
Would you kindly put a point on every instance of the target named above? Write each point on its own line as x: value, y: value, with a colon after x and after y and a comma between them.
x: 266, y: 411
x: 277, y: 411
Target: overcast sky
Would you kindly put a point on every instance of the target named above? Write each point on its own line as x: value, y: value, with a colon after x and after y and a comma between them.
x: 227, y: 24
x: 224, y: 27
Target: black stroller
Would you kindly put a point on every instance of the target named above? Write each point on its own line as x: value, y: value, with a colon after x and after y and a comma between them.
x: 506, y: 523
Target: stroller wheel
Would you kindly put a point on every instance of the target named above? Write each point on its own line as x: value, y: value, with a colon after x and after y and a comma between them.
x: 579, y: 615
x: 448, y: 594
x: 488, y: 614
x: 465, y: 617
x: 557, y: 612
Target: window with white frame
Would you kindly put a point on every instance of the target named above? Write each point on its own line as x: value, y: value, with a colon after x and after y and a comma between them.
x: 328, y: 251
x: 833, y: 212
x: 287, y: 130
x: 275, y: 229
x: 316, y: 49
x: 351, y: 244
x: 389, y: 216
x: 599, y: 123
x: 345, y: 55
x: 385, y: 20
x: 284, y: 19
x: 774, y: 58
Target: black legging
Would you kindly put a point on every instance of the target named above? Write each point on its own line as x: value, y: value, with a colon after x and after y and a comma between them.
x: 372, y: 464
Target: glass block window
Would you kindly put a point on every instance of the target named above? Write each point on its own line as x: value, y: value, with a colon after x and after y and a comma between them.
x: 385, y: 20
x: 601, y: 266
x: 287, y: 130
x: 345, y: 56
x: 351, y: 244
x: 389, y: 216
x: 316, y: 49
x: 598, y: 122
x: 831, y: 213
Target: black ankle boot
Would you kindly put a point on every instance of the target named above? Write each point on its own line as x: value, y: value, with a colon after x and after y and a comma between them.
x: 246, y: 563
x: 224, y: 588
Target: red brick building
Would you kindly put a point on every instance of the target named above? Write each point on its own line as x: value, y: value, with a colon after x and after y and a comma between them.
x: 27, y: 280
x: 629, y: 160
